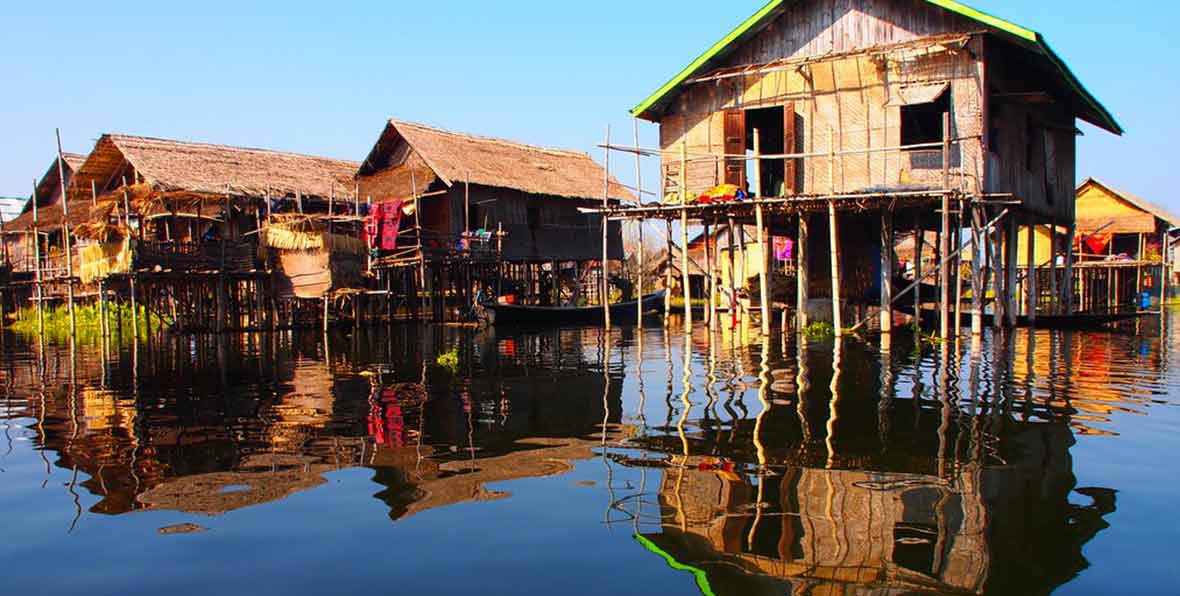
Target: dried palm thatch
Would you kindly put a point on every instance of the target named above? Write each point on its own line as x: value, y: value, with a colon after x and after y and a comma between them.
x: 286, y: 238
x: 97, y: 261
x: 205, y: 169
x: 455, y: 157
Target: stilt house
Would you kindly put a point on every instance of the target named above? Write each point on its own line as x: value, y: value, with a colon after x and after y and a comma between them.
x: 485, y: 208
x: 889, y: 107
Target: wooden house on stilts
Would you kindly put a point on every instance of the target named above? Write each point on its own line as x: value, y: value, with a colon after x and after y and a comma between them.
x: 461, y: 213
x: 197, y: 232
x: 845, y: 123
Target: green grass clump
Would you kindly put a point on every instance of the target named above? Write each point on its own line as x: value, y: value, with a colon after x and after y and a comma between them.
x: 87, y: 319
x: 820, y: 330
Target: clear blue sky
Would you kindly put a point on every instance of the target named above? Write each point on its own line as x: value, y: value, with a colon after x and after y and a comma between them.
x: 320, y: 78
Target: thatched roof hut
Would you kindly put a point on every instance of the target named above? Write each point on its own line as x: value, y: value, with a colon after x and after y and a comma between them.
x: 434, y: 154
x: 202, y: 168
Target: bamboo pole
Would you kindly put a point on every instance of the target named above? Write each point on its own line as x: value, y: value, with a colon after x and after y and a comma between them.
x: 639, y: 197
x: 802, y: 281
x: 37, y: 267
x: 886, y: 271
x: 919, y: 242
x: 684, y: 277
x: 1069, y: 256
x: 420, y: 287
x: 65, y: 234
x: 834, y: 238
x: 763, y: 284
x: 605, y: 232
x: 1011, y: 307
x: 1054, y: 295
x: 732, y: 283
x: 668, y: 276
x: 944, y: 234
x: 976, y: 273
x: 1031, y: 278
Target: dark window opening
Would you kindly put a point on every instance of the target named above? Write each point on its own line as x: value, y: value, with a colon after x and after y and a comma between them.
x: 921, y: 123
x: 534, y: 217
x: 770, y: 126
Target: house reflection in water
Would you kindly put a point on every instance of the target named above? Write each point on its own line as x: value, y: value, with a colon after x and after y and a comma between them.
x: 992, y: 507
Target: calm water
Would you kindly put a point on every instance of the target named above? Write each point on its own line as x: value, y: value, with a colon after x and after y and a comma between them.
x: 563, y: 461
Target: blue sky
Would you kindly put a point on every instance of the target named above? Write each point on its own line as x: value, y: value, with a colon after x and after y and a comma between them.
x: 320, y: 78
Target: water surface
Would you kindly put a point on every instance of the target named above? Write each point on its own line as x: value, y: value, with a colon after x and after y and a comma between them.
x: 577, y: 462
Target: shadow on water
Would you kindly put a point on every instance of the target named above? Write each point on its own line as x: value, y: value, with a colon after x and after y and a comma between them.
x: 747, y: 465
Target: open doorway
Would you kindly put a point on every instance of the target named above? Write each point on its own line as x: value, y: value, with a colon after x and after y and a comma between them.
x: 770, y: 126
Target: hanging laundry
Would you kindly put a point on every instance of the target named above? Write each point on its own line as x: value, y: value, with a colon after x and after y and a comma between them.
x: 1097, y: 243
x: 784, y: 248
x: 720, y: 193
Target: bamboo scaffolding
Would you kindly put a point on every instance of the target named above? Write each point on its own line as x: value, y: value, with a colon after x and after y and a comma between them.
x: 605, y: 234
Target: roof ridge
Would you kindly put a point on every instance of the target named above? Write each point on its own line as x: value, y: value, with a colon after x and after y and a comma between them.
x: 502, y: 141
x: 115, y: 136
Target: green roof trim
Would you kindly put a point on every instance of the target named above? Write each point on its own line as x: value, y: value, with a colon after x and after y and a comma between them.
x: 701, y: 578
x: 1103, y: 116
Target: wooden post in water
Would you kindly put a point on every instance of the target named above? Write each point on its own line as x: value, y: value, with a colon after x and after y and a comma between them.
x: 605, y: 230
x: 1010, y: 265
x: 1069, y: 241
x: 668, y: 275
x: 944, y: 287
x: 420, y: 284
x: 763, y: 283
x: 684, y: 277
x: 834, y: 238
x: 40, y: 289
x: 977, y: 256
x: 886, y: 271
x: 710, y: 312
x: 1054, y: 295
x: 802, y: 281
x: 1030, y: 280
x: 639, y: 198
x: 65, y: 234
x: 919, y: 242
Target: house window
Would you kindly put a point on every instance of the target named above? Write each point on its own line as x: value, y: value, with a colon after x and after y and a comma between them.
x: 921, y: 123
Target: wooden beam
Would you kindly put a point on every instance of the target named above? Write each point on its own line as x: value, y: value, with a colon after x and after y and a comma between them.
x: 605, y: 225
x: 802, y: 270
x: 763, y: 285
x: 944, y: 317
x: 886, y: 271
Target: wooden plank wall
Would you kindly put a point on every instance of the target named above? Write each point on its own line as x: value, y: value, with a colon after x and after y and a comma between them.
x: 840, y: 104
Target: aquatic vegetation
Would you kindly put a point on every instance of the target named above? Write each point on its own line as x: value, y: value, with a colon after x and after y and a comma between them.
x: 449, y: 360
x: 88, y: 321
x: 820, y: 330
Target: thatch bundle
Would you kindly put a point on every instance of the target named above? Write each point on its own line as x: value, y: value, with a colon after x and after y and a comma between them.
x: 97, y: 261
x: 287, y: 238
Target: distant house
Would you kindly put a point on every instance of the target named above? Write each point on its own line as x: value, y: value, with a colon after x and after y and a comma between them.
x: 19, y: 227
x: 470, y: 183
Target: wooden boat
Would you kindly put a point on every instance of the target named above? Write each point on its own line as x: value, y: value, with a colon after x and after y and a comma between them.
x: 1044, y: 321
x: 519, y: 314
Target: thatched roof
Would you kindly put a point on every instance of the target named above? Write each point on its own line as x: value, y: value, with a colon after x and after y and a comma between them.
x: 204, y: 168
x: 456, y: 157
x: 48, y: 197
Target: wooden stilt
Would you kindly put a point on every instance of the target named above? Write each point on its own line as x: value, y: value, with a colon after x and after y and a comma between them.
x: 944, y: 233
x: 1054, y: 295
x: 977, y: 285
x: 886, y: 271
x: 919, y: 243
x: 802, y: 270
x: 957, y: 269
x: 65, y: 234
x: 834, y: 237
x: 639, y: 196
x: 1011, y: 231
x: 39, y: 287
x: 605, y: 226
x: 684, y: 276
x: 1030, y: 283
x: 668, y: 276
x: 1069, y: 286
x: 764, y: 256
x: 710, y: 277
